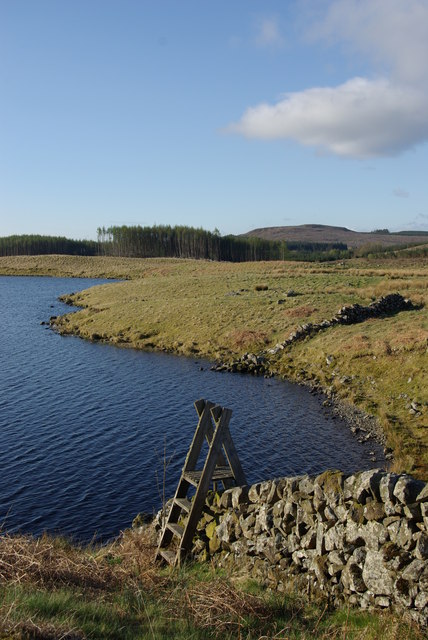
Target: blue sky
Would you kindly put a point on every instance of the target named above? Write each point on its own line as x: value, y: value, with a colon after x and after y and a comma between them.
x: 233, y: 115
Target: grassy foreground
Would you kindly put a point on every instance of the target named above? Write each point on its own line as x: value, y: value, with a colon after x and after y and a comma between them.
x: 52, y: 590
x: 220, y: 310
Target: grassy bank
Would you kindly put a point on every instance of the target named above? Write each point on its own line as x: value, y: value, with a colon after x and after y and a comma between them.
x: 220, y: 310
x: 62, y: 266
x: 50, y: 589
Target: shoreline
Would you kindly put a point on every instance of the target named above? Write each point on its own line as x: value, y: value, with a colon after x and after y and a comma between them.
x: 363, y: 426
x: 375, y: 371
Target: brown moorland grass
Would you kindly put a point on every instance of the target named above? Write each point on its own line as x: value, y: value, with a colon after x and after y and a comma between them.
x: 50, y: 589
x: 218, y: 310
x: 305, y: 311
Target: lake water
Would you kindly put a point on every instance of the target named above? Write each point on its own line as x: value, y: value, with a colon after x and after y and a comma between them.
x: 85, y: 428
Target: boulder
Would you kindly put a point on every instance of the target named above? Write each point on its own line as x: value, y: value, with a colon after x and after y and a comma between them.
x: 352, y: 578
x: 407, y: 489
x: 376, y: 576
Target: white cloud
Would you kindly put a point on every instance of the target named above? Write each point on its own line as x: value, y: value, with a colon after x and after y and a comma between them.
x: 360, y: 118
x: 393, y: 33
x: 268, y: 33
x: 363, y: 117
x: 401, y: 193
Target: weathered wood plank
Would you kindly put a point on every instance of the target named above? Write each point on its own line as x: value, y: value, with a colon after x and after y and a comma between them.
x: 176, y: 529
x: 233, y: 459
x: 184, y: 503
x: 221, y: 461
x: 198, y: 438
x: 219, y: 473
x: 168, y: 555
x: 199, y: 406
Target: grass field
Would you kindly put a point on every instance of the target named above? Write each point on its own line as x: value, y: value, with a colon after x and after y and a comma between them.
x: 220, y: 310
x: 52, y: 590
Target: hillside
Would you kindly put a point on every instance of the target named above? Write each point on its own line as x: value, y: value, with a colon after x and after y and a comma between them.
x: 326, y: 233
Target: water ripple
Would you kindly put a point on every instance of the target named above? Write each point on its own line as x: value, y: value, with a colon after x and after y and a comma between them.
x: 85, y: 429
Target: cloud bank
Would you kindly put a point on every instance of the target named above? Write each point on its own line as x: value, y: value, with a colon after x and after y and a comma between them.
x: 419, y: 223
x: 363, y: 117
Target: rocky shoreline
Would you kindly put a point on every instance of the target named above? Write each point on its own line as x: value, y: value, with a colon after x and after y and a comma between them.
x: 363, y: 425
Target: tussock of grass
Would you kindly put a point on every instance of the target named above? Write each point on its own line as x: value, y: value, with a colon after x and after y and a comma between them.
x: 243, y: 340
x: 219, y: 605
x: 47, y: 561
x: 303, y: 311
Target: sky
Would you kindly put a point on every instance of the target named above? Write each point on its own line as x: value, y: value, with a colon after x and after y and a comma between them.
x: 228, y: 114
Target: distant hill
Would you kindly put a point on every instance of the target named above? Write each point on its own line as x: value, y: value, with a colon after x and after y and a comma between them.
x: 326, y: 233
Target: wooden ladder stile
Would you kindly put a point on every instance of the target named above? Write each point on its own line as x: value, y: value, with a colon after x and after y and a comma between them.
x: 221, y: 465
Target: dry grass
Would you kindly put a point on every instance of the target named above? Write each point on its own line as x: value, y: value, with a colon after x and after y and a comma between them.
x: 47, y: 562
x: 72, y: 584
x: 52, y: 590
x: 47, y: 566
x: 221, y: 606
x: 211, y: 602
x: 303, y: 311
x: 136, y: 551
x: 244, y: 339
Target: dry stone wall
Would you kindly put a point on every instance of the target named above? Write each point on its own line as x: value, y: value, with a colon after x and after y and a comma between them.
x: 258, y: 364
x: 361, y: 538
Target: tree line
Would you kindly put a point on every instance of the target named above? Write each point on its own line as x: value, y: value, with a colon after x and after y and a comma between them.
x: 188, y: 242
x: 173, y: 242
x: 33, y: 245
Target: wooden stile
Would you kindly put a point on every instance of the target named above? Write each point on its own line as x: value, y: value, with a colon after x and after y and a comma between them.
x: 221, y: 465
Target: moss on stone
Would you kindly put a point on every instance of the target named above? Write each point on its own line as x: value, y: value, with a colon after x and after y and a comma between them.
x: 331, y: 481
x: 210, y: 529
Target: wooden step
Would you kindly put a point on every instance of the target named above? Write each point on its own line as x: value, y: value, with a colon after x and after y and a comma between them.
x: 220, y: 473
x: 169, y: 556
x: 176, y: 529
x: 184, y: 503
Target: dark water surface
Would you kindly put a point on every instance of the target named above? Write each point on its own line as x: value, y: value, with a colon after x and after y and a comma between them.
x: 84, y: 427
